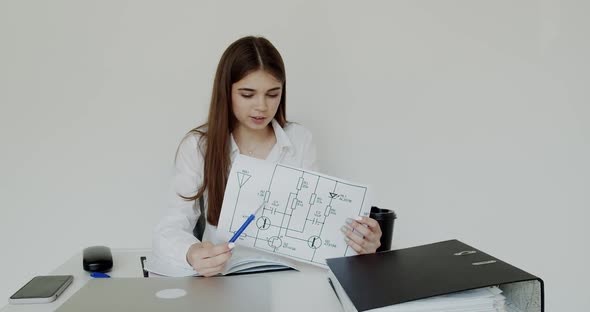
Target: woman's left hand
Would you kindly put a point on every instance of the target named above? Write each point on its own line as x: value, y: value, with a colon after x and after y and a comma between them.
x: 366, y: 235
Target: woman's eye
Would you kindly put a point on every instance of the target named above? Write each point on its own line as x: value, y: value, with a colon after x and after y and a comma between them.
x: 247, y: 95
x: 273, y: 95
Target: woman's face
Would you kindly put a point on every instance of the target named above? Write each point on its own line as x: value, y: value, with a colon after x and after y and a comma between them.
x: 255, y: 99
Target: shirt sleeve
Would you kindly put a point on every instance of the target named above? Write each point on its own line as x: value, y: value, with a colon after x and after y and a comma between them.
x: 310, y: 161
x: 173, y: 235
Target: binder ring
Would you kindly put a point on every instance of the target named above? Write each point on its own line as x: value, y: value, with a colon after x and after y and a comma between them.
x: 465, y: 252
x: 484, y: 262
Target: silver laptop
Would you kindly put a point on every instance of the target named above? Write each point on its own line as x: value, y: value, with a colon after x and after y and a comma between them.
x: 235, y: 293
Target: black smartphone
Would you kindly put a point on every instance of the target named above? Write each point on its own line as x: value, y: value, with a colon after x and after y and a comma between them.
x: 42, y: 289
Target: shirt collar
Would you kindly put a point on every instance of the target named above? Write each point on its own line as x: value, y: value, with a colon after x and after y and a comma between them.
x: 283, y: 141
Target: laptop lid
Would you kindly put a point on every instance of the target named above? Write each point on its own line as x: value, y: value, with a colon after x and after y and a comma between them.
x: 236, y: 293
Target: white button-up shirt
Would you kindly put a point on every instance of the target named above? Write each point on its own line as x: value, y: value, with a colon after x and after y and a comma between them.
x: 173, y: 235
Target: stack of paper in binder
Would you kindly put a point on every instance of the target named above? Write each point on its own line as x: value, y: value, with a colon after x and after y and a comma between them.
x: 488, y: 299
x: 444, y: 276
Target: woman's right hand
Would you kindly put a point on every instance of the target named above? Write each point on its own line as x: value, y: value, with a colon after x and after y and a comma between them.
x: 208, y: 259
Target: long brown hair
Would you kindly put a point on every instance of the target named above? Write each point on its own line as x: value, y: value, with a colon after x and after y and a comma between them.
x: 241, y: 58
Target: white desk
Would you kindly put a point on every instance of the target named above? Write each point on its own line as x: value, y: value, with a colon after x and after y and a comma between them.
x: 307, y: 290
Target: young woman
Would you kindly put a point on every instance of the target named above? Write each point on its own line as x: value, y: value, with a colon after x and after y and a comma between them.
x: 247, y: 116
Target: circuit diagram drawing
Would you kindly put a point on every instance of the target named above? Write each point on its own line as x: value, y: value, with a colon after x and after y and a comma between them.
x: 302, y: 212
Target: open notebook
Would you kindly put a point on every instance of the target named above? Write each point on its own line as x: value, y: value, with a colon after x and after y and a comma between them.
x: 243, y: 260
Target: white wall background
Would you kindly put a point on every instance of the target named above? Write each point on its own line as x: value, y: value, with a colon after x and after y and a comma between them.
x: 469, y: 118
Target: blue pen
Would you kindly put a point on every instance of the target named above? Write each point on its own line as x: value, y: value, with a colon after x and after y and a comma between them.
x: 245, y: 225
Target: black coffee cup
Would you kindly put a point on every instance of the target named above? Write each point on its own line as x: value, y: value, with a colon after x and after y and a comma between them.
x: 385, y: 218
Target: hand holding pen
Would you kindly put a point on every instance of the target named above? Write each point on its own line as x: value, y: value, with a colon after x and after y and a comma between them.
x: 208, y: 259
